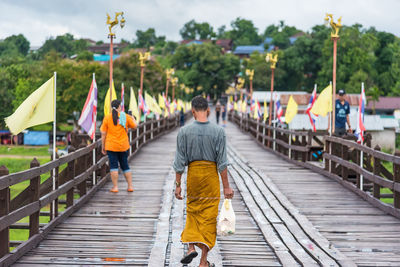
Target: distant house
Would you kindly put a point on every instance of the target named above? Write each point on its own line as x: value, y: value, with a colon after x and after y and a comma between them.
x: 244, y: 51
x: 384, y: 106
x: 104, y: 49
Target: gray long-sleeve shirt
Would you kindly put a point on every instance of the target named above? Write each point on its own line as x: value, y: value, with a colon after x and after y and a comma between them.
x: 200, y: 141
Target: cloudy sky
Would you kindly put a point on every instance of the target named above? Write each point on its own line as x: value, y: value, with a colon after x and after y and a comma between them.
x: 41, y: 19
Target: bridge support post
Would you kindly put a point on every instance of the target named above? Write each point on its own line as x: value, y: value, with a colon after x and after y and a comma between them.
x: 290, y: 144
x: 34, y: 185
x: 70, y: 176
x: 4, y: 210
x: 396, y: 179
x: 151, y: 128
x: 377, y: 171
x: 344, y: 157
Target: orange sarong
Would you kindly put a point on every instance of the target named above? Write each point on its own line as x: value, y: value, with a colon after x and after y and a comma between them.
x: 203, y: 196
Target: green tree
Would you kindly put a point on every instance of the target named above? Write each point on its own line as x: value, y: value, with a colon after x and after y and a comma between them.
x: 193, y: 30
x: 244, y: 32
x: 148, y: 38
x: 65, y: 44
x: 205, y: 68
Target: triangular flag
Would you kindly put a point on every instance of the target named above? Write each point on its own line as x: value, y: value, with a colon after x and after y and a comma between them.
x: 107, y: 100
x: 265, y: 110
x: 323, y: 104
x: 133, y: 105
x: 37, y: 109
x: 291, y: 110
x: 88, y: 116
x: 161, y: 102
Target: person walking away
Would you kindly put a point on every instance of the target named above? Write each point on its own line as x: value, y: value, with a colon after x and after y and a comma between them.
x: 115, y: 143
x: 218, y: 110
x: 201, y: 146
x: 342, y: 111
x: 223, y: 113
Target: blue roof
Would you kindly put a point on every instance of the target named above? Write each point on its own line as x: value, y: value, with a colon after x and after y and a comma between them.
x: 104, y: 57
x: 248, y: 49
x: 292, y: 39
x: 194, y: 42
x: 268, y: 40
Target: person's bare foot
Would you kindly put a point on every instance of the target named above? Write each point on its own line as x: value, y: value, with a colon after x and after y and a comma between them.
x: 114, y: 190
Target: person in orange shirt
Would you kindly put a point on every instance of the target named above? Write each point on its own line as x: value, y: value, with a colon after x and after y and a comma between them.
x: 115, y: 143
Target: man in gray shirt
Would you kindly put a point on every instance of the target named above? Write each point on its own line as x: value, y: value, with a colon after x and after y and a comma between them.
x: 202, y: 147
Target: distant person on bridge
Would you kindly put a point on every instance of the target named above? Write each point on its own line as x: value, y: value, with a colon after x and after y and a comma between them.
x: 342, y: 111
x: 218, y: 110
x: 115, y: 143
x: 201, y: 146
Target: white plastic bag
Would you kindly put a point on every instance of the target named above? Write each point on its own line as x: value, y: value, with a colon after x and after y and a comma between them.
x: 227, y: 219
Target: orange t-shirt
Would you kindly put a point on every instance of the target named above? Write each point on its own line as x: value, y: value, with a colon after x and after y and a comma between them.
x: 117, y: 137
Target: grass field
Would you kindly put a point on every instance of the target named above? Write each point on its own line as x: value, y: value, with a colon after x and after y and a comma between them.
x: 24, y: 150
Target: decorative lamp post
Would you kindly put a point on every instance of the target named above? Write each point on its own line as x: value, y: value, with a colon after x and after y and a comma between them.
x: 174, y: 82
x: 142, y: 58
x: 272, y: 60
x: 335, y: 37
x: 112, y: 36
x: 168, y: 72
x: 250, y: 73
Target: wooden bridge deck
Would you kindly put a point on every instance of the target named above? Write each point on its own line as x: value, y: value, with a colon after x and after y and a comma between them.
x: 362, y: 232
x: 286, y: 215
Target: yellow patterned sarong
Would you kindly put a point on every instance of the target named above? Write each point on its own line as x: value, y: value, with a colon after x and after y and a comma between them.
x: 203, y: 196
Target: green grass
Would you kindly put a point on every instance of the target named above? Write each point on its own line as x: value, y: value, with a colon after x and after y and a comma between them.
x: 49, y: 127
x: 386, y: 191
x: 24, y: 150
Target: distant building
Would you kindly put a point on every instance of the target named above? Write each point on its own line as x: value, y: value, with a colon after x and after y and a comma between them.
x: 104, y: 49
x: 244, y: 51
x: 104, y: 58
x: 386, y: 105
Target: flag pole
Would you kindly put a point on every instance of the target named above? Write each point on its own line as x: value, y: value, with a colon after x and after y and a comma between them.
x: 330, y: 123
x: 54, y: 143
x: 361, y: 153
x: 94, y: 141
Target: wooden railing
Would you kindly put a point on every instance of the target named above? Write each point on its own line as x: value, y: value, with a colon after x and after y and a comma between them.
x: 372, y: 174
x: 76, y: 178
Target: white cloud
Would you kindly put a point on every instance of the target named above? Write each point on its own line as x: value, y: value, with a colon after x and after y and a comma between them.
x: 38, y: 20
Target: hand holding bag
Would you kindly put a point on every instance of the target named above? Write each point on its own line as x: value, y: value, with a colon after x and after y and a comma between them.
x: 227, y: 219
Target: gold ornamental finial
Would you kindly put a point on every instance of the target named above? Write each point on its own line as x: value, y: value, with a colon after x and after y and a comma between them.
x: 174, y: 81
x: 272, y: 59
x: 334, y: 25
x: 143, y: 57
x: 169, y: 72
x: 240, y: 83
x: 114, y: 22
x: 250, y: 73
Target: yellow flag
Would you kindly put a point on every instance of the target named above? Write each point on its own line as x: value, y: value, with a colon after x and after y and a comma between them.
x: 323, y: 104
x: 107, y: 100
x: 161, y: 102
x: 291, y: 110
x: 265, y: 110
x: 255, y: 114
x: 244, y: 106
x: 235, y: 106
x: 37, y: 109
x: 133, y: 105
x: 151, y: 104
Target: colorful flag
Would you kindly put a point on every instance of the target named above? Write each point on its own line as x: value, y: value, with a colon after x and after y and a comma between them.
x: 360, y: 117
x: 257, y: 111
x: 142, y: 105
x: 235, y: 106
x: 323, y: 104
x: 122, y: 98
x: 279, y: 110
x: 133, y: 106
x: 311, y: 115
x: 291, y: 110
x: 107, y: 100
x: 244, y: 106
x: 37, y: 108
x: 89, y: 112
x: 265, y: 110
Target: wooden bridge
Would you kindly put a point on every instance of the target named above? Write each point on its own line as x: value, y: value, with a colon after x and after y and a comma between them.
x: 302, y: 199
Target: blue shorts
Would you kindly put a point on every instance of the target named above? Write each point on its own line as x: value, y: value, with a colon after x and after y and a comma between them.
x: 121, y: 157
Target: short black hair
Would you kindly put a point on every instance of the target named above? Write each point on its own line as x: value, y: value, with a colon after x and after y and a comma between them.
x: 199, y: 103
